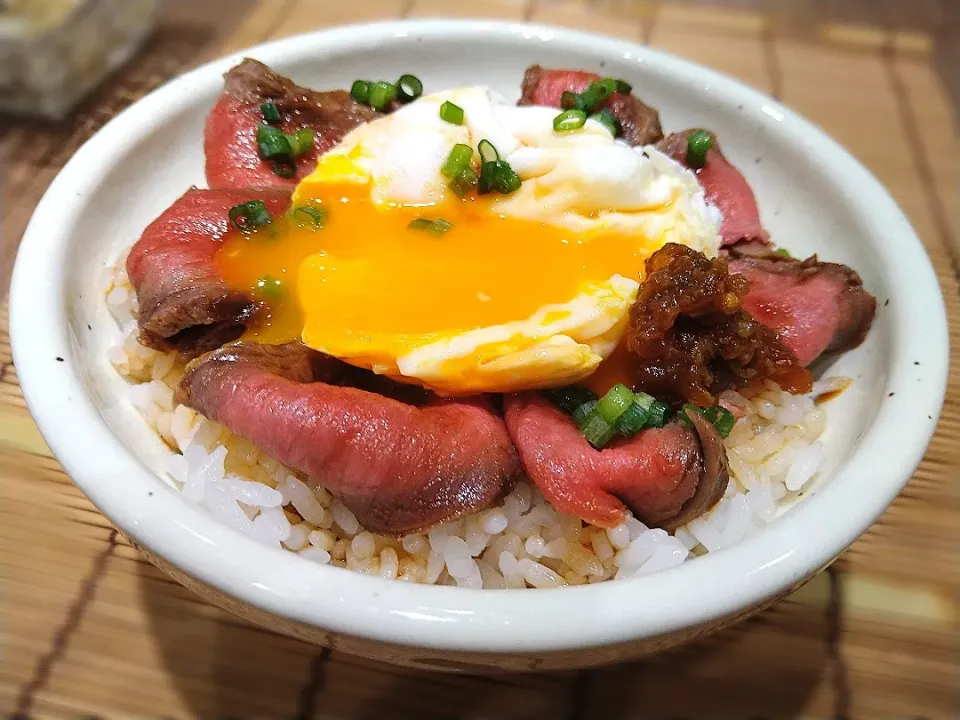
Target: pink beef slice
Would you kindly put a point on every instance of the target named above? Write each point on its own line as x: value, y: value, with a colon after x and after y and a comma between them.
x: 544, y: 86
x: 724, y: 188
x: 230, y: 136
x: 665, y: 476
x: 398, y: 466
x: 184, y: 303
x: 816, y: 307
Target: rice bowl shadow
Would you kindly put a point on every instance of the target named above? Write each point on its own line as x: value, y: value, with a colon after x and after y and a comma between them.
x: 777, y: 665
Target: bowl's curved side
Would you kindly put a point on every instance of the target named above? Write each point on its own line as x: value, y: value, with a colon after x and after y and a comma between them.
x: 82, y: 421
x: 456, y: 660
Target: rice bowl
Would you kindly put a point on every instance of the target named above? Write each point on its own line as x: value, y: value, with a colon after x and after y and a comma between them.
x: 841, y: 508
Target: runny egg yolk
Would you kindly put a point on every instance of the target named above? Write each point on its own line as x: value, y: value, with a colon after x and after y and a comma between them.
x: 365, y: 272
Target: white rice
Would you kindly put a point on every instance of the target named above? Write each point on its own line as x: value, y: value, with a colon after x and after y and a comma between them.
x: 522, y: 542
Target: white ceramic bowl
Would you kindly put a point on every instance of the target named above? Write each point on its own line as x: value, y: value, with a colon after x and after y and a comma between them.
x: 813, y: 196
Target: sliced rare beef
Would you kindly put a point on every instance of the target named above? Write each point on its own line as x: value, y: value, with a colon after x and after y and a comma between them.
x: 399, y: 467
x: 724, y: 187
x: 184, y: 303
x: 544, y: 86
x: 815, y: 307
x: 664, y: 476
x: 230, y: 136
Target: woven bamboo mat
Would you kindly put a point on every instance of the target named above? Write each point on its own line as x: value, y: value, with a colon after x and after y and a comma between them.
x: 90, y: 629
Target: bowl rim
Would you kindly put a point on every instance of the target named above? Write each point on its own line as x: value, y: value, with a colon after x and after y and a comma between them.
x: 446, y: 618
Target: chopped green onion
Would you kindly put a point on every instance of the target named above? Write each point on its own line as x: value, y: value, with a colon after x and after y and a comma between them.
x: 581, y: 412
x: 441, y: 226
x: 457, y: 167
x: 284, y: 167
x: 496, y: 175
x: 657, y: 414
x: 420, y: 223
x: 698, y: 144
x: 270, y: 112
x: 451, y: 113
x: 269, y: 287
x: 590, y: 98
x: 272, y: 142
x: 463, y: 182
x: 248, y: 216
x: 596, y: 429
x: 623, y: 86
x: 612, y: 405
x: 606, y: 118
x: 633, y: 420
x: 499, y: 177
x: 457, y: 161
x: 724, y: 421
x: 309, y: 217
x: 409, y: 88
x: 605, y: 88
x: 569, y: 120
x: 570, y: 100
x: 360, y: 91
x: 571, y: 397
x: 488, y: 153
x: 782, y: 252
x: 721, y: 418
x: 437, y: 227
x: 301, y: 141
x: 382, y: 94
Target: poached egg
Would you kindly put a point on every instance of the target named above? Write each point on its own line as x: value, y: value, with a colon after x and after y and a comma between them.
x: 522, y: 291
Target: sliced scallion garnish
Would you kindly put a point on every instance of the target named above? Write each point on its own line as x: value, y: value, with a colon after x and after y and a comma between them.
x: 271, y: 142
x: 782, y: 252
x: 698, y: 145
x: 721, y: 418
x: 436, y: 227
x: 596, y: 429
x: 310, y: 218
x: 301, y: 141
x: 269, y: 287
x: 724, y: 421
x: 284, y: 166
x: 360, y: 91
x: 459, y: 158
x: 581, y: 412
x: 606, y: 118
x: 623, y: 87
x: 633, y: 420
x: 488, y: 153
x: 605, y: 88
x: 382, y: 94
x: 409, y: 88
x: 457, y: 167
x: 570, y: 100
x: 270, y: 112
x: 497, y: 176
x: 451, y: 113
x: 569, y: 120
x: 248, y: 216
x: 615, y: 403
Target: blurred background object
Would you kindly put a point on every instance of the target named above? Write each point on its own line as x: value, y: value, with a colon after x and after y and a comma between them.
x: 53, y: 52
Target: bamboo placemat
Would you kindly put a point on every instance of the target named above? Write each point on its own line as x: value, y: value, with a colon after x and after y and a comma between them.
x: 89, y: 628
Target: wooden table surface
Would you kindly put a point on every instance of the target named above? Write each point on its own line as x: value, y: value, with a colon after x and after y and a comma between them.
x: 91, y: 629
